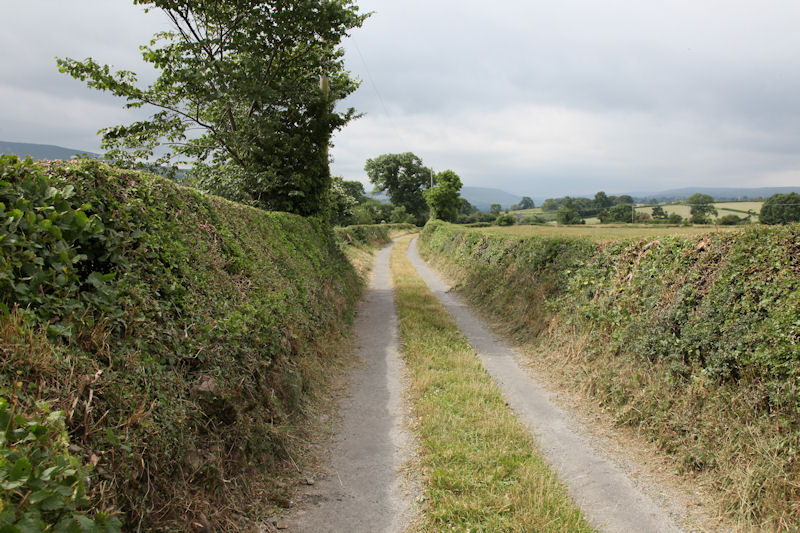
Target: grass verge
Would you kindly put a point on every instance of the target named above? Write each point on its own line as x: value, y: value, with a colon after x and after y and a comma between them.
x: 479, y: 466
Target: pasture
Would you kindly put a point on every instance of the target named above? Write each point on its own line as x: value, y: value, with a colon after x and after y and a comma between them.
x: 723, y: 208
x: 606, y: 232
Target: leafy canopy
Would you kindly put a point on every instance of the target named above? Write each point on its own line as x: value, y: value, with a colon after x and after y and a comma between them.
x: 444, y: 200
x: 245, y: 94
x: 404, y: 177
x: 702, y: 206
x: 781, y: 209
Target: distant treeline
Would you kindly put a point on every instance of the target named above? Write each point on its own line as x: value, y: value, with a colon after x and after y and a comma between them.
x: 586, y: 207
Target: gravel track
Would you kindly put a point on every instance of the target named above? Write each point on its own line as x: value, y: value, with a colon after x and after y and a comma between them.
x: 365, y: 490
x: 608, y: 498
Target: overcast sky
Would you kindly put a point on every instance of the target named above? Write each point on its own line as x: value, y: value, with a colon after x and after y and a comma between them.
x: 540, y: 98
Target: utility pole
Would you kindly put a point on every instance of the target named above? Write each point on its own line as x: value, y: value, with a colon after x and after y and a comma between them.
x: 325, y: 88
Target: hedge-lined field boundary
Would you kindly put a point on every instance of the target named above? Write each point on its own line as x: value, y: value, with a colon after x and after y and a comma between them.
x: 160, y: 341
x: 696, y: 341
x: 372, y: 235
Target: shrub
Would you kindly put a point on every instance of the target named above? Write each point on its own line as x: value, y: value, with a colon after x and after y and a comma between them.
x: 505, y: 220
x: 731, y: 220
x: 674, y: 218
x: 57, y: 258
x: 479, y: 225
x: 531, y: 220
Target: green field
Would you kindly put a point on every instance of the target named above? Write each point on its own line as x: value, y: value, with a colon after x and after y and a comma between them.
x: 724, y: 208
x: 548, y: 216
x: 605, y: 232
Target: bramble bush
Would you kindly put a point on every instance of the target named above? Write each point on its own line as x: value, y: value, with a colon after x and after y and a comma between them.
x: 43, y: 485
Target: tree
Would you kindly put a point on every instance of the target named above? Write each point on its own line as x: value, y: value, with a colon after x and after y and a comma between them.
x: 618, y: 213
x: 659, y: 213
x: 355, y: 189
x: 505, y: 219
x: 674, y: 218
x: 245, y: 94
x: 399, y: 215
x: 341, y: 203
x: 526, y: 203
x: 443, y: 199
x: 731, y: 220
x: 404, y: 178
x: 602, y: 201
x: 567, y: 215
x: 781, y: 209
x: 622, y: 199
x: 550, y: 205
x: 495, y: 209
x: 467, y: 208
x: 702, y: 205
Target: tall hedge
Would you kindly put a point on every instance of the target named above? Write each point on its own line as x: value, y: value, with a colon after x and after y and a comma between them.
x: 696, y: 341
x: 179, y: 334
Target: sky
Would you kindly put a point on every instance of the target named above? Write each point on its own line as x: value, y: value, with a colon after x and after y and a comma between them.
x: 538, y: 98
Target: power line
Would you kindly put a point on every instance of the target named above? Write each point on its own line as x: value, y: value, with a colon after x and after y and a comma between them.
x: 377, y: 92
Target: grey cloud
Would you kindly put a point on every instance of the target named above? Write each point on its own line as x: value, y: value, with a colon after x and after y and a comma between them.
x: 567, y: 97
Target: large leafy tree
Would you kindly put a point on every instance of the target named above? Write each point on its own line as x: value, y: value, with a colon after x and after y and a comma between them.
x: 245, y: 94
x: 781, y: 209
x: 527, y: 203
x: 404, y: 177
x: 701, y: 207
x: 443, y: 199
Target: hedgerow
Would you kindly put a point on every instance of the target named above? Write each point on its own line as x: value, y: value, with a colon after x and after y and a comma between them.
x: 371, y: 235
x: 695, y: 341
x: 180, y: 334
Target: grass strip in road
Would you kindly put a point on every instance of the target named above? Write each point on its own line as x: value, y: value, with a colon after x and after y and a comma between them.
x: 480, y: 470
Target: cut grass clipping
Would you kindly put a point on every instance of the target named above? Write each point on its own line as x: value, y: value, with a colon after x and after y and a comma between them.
x: 480, y: 470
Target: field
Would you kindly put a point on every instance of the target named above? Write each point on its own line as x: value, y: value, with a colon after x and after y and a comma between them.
x: 724, y: 208
x: 605, y: 232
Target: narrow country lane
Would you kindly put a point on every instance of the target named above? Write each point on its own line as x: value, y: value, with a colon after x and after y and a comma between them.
x: 363, y: 491
x: 607, y: 497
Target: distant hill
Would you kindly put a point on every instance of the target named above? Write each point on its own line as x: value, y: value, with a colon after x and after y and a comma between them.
x: 41, y: 151
x: 718, y: 193
x: 484, y: 197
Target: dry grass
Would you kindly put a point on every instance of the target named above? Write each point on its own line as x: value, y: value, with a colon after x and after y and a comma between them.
x: 481, y: 472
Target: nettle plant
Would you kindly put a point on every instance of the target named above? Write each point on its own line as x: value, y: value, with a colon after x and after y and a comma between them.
x: 42, y: 486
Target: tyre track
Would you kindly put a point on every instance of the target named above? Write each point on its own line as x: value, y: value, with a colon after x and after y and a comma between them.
x: 608, y: 498
x: 364, y: 490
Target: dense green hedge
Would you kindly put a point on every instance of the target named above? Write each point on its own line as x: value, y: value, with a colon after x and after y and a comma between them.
x: 371, y: 235
x: 694, y: 340
x: 178, y: 333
